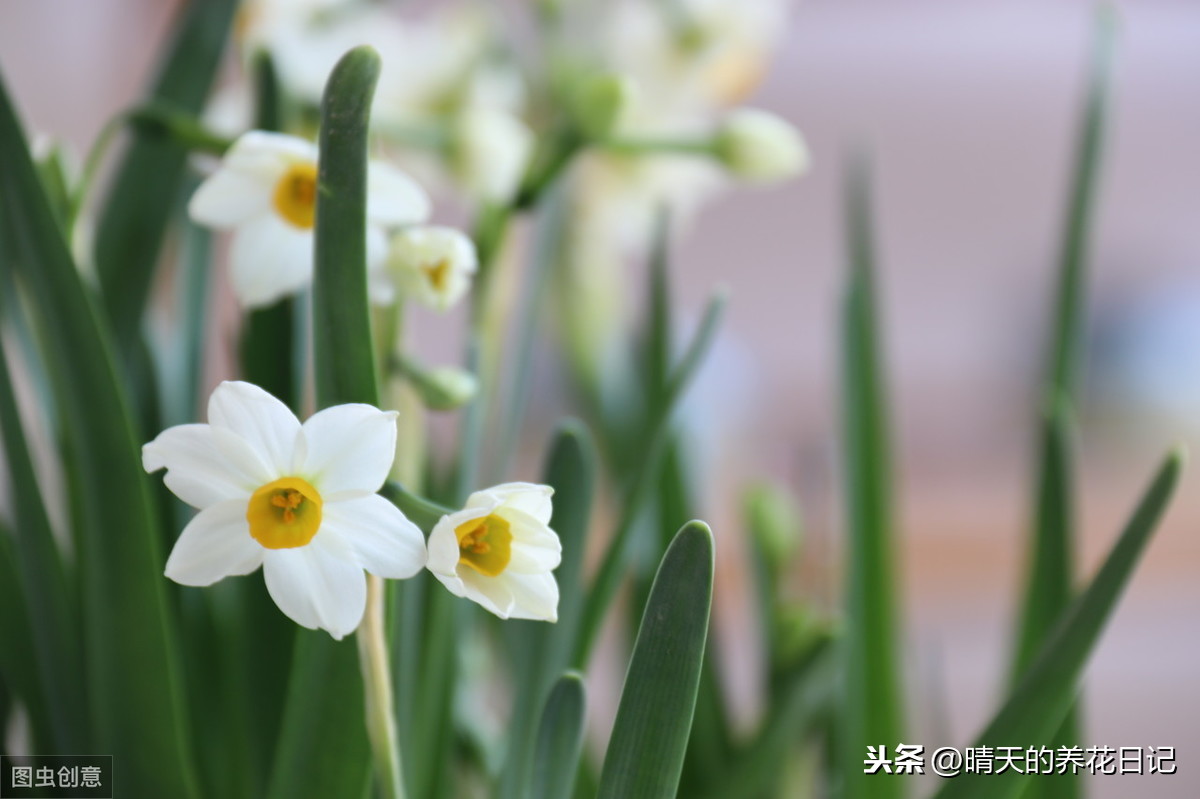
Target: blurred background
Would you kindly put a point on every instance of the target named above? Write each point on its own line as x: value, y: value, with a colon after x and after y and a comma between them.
x: 968, y: 113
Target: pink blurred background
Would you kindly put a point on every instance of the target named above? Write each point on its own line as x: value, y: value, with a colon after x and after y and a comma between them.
x: 969, y: 113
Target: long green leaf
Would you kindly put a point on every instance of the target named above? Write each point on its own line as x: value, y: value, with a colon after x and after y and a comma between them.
x: 43, y: 579
x: 560, y: 739
x: 1034, y: 711
x: 871, y: 704
x: 1048, y: 589
x: 135, y: 212
x: 18, y: 672
x: 541, y: 651
x: 324, y: 751
x: 136, y: 711
x: 642, y: 481
x: 654, y: 719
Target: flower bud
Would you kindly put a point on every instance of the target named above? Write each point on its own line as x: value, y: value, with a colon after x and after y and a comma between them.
x: 761, y: 147
x: 444, y: 388
x: 488, y: 152
x: 601, y: 103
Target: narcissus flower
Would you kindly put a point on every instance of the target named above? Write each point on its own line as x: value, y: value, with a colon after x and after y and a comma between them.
x: 759, y: 146
x: 499, y: 551
x: 298, y: 499
x: 433, y: 265
x: 266, y: 192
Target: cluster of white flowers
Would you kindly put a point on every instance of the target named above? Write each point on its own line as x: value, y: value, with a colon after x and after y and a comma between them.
x: 265, y: 191
x: 301, y: 501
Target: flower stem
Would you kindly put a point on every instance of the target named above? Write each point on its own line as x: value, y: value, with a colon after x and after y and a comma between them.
x: 377, y: 692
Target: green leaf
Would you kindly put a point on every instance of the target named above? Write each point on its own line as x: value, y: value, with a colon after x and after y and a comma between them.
x: 343, y: 351
x: 18, y: 672
x: 136, y: 711
x: 1051, y: 547
x: 323, y: 751
x: 1035, y: 709
x: 136, y: 211
x: 560, y: 739
x: 541, y: 651
x: 872, y: 706
x: 654, y: 719
x: 642, y: 482
x: 43, y: 579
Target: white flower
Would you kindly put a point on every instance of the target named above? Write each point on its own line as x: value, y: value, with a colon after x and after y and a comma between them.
x: 299, y: 500
x: 433, y: 265
x: 499, y: 551
x: 488, y: 152
x: 266, y: 191
x: 759, y: 146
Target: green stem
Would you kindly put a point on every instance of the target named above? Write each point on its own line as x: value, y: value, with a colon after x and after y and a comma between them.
x: 377, y: 692
x: 636, y: 146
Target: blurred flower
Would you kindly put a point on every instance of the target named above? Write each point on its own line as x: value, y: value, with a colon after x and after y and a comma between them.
x: 433, y: 265
x: 601, y: 103
x: 759, y: 146
x: 499, y: 551
x: 488, y: 152
x: 299, y: 500
x: 266, y: 191
x: 444, y: 388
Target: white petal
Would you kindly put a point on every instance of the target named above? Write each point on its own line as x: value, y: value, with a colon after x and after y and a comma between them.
x: 229, y: 198
x: 531, y: 498
x: 214, y: 545
x: 267, y: 155
x: 269, y: 260
x: 530, y: 558
x: 490, y: 592
x: 198, y: 471
x: 384, y: 540
x: 443, y: 543
x: 350, y: 448
x: 394, y: 198
x: 452, y: 583
x: 534, y: 596
x: 318, y: 585
x: 262, y: 421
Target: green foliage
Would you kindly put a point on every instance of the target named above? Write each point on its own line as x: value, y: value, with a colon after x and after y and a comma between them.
x: 136, y: 713
x: 871, y: 704
x: 654, y: 718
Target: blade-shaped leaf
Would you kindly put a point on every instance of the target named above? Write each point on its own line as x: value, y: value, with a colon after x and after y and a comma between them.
x: 541, y: 651
x: 871, y: 707
x: 323, y: 751
x: 642, y: 482
x: 136, y: 712
x: 136, y: 210
x: 560, y: 739
x: 1048, y: 589
x: 43, y: 580
x: 1034, y: 711
x: 654, y: 719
